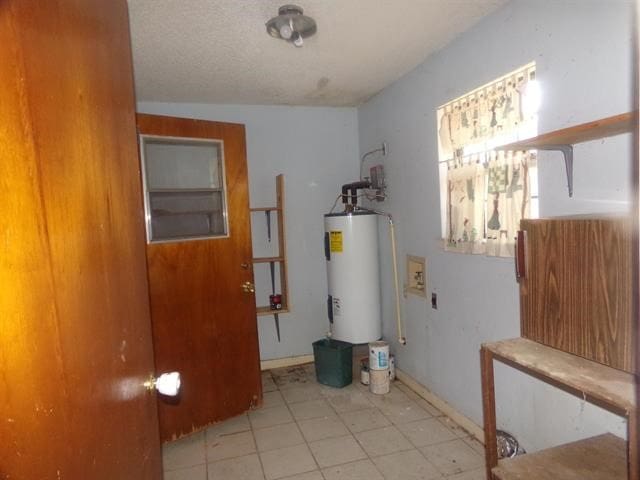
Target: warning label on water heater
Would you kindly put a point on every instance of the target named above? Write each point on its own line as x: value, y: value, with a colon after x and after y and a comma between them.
x: 336, y: 241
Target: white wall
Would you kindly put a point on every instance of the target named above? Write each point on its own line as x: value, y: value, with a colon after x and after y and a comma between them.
x: 583, y: 51
x: 317, y: 150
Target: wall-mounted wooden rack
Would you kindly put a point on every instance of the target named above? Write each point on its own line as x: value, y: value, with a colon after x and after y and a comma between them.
x: 564, y: 139
x: 280, y: 259
x: 602, y: 457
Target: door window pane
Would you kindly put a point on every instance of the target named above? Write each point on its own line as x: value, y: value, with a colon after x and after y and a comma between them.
x: 184, y: 182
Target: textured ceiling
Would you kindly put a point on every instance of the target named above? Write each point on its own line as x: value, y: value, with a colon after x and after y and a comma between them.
x: 218, y: 51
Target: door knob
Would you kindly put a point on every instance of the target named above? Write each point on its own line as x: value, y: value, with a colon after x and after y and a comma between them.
x: 248, y: 287
x: 167, y: 384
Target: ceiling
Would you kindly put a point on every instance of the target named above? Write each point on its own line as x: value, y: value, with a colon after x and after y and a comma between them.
x: 218, y: 51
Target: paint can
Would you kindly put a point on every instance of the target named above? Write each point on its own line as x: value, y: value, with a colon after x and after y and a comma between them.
x: 364, y: 371
x: 379, y: 381
x: 378, y: 356
x: 392, y: 367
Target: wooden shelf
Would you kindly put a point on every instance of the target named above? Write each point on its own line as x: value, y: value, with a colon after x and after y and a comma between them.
x: 265, y: 209
x: 591, y: 380
x: 267, y: 259
x: 585, y: 132
x: 563, y: 140
x: 266, y: 311
x: 596, y: 458
x: 281, y: 258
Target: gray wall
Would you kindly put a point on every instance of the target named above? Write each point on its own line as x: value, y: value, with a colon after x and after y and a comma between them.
x: 317, y: 150
x: 583, y: 51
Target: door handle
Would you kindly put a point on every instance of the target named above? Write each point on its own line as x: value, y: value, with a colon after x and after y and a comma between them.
x: 519, y: 253
x: 167, y: 384
x: 248, y: 287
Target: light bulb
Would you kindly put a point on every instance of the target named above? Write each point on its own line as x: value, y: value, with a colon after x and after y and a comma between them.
x: 297, y: 39
x: 286, y: 30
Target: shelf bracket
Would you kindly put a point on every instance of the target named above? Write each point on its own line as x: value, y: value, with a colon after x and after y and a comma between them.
x: 276, y: 318
x: 567, y: 151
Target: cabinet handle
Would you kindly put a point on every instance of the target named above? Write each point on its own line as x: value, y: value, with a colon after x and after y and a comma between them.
x: 520, y: 255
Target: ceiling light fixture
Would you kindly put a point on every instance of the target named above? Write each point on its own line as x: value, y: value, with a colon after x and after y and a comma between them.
x: 291, y: 25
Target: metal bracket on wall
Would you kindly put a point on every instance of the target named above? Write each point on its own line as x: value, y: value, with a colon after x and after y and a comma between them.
x: 277, y: 320
x: 567, y: 151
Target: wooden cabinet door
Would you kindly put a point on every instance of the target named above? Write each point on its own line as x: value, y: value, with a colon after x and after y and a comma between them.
x: 576, y: 292
x: 204, y: 322
x: 75, y: 331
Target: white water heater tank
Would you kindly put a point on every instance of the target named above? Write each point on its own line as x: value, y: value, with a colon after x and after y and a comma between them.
x: 353, y: 276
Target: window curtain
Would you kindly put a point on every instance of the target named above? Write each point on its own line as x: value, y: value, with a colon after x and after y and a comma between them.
x: 486, y: 193
x: 485, y: 202
x: 508, y: 202
x: 465, y: 208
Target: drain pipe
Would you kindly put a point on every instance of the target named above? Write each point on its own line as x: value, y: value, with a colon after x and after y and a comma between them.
x: 392, y: 234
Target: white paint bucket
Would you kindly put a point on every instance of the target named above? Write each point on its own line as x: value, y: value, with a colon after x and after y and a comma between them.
x: 392, y: 367
x: 378, y: 356
x: 379, y: 381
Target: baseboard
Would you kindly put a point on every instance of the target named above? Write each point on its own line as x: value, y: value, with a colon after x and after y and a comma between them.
x: 285, y: 362
x: 466, y: 423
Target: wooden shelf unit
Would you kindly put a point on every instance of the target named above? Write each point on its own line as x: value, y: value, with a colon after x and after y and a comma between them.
x: 611, y: 389
x: 564, y: 139
x: 280, y: 259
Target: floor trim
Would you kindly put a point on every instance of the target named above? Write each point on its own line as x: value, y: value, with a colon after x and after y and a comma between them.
x: 466, y: 423
x: 285, y: 362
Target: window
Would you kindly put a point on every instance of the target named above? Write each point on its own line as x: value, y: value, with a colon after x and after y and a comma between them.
x: 484, y: 192
x: 184, y: 188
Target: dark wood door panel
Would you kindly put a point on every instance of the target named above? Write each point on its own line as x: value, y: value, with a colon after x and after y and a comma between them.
x: 577, y: 292
x: 75, y: 333
x: 204, y: 323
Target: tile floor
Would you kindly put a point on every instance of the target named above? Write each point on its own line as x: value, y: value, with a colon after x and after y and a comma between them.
x: 307, y: 431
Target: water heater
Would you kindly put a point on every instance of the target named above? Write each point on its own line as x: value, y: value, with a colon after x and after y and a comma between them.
x: 353, y: 275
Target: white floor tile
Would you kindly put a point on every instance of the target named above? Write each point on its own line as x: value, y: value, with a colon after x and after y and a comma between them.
x: 272, y: 399
x: 426, y: 432
x: 453, y: 457
x: 406, y: 412
x: 286, y: 462
x: 362, y: 420
x: 232, y: 425
x: 383, y: 441
x: 239, y: 468
x: 199, y: 472
x: 268, y: 417
x: 186, y: 452
x: 325, y: 427
x: 278, y: 436
x: 334, y: 451
x: 311, y: 409
x: 220, y: 447
x: 350, y: 401
x: 302, y: 393
x: 407, y: 465
x: 361, y: 470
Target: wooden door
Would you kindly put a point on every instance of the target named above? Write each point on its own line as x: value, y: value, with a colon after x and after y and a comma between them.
x: 576, y: 292
x: 75, y: 333
x: 204, y: 323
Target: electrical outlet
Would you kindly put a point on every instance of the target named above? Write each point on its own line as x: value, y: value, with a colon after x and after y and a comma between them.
x: 434, y: 300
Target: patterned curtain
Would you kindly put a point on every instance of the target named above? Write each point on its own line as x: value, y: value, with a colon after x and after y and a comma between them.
x: 507, y: 200
x: 465, y: 209
x: 485, y: 202
x: 487, y: 192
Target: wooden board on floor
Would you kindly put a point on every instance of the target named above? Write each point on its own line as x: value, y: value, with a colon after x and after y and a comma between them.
x: 596, y: 458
